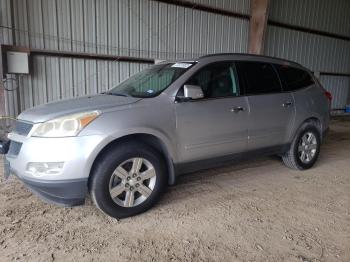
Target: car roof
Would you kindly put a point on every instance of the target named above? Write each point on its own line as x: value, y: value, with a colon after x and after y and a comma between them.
x: 210, y: 58
x: 248, y: 57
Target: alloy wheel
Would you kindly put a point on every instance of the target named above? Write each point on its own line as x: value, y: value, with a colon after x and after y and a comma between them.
x: 307, y: 147
x: 132, y: 182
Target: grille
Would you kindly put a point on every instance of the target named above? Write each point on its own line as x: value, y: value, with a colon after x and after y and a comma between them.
x: 22, y: 128
x: 14, y: 149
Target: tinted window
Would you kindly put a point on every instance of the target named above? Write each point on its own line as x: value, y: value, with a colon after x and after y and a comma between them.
x: 216, y: 80
x: 293, y: 78
x: 258, y: 78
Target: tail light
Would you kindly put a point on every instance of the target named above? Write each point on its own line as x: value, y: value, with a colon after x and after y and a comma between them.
x: 328, y: 95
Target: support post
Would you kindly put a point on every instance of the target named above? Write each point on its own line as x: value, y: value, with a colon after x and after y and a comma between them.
x: 259, y: 10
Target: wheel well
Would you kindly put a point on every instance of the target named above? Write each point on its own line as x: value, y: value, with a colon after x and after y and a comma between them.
x: 316, y: 122
x: 147, y: 139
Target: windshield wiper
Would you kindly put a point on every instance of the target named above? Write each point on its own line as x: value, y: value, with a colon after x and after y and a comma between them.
x: 116, y: 94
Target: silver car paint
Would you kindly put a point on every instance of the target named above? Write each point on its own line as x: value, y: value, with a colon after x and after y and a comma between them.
x: 269, y: 120
x: 198, y: 135
x: 53, y: 110
x: 189, y: 130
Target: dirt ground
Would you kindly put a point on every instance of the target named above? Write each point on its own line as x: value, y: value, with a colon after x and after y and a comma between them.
x: 253, y: 211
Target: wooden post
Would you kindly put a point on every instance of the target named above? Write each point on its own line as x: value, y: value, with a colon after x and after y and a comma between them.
x: 259, y: 10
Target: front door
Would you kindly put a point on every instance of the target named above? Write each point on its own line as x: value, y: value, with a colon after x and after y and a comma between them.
x: 217, y: 124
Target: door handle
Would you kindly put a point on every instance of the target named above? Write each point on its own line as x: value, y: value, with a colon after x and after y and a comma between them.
x: 237, y: 109
x: 287, y: 104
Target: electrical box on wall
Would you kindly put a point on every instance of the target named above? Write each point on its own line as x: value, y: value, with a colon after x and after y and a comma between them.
x: 17, y: 62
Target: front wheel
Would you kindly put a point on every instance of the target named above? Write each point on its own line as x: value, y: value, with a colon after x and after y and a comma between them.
x: 305, y: 148
x: 128, y: 180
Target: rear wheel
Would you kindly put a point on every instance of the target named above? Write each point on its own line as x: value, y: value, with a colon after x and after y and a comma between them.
x: 128, y: 180
x: 305, y: 148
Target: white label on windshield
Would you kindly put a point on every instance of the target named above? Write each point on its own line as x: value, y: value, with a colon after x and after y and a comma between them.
x: 181, y: 65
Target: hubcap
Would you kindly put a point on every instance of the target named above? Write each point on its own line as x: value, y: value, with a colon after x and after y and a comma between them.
x: 307, y: 147
x: 132, y: 182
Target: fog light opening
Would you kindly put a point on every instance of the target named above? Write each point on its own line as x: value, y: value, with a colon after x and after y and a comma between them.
x: 39, y: 169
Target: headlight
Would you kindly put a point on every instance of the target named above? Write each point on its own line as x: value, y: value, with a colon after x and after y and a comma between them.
x: 69, y: 125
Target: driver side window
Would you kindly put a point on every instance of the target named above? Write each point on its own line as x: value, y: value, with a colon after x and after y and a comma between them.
x: 217, y: 80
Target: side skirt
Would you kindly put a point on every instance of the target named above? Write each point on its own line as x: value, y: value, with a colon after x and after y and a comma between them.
x: 188, y: 167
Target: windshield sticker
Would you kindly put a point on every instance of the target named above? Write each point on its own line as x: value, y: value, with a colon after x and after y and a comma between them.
x: 181, y: 65
x: 150, y: 91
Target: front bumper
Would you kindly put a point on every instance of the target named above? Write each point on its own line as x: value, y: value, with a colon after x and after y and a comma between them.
x: 64, y: 193
x: 69, y: 187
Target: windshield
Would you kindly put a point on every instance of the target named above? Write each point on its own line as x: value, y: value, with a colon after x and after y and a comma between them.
x: 151, y: 81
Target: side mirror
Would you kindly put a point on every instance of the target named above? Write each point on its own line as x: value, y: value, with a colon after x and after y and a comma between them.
x: 193, y: 92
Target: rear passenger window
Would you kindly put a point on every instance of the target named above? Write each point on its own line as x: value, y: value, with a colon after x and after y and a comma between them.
x: 258, y: 78
x: 293, y: 78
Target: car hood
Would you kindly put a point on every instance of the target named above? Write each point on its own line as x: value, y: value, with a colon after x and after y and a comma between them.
x: 53, y: 110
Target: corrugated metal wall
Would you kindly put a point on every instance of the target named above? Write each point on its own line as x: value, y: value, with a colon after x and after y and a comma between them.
x: 135, y: 27
x: 241, y: 6
x: 324, y: 15
x: 140, y: 28
x: 339, y: 87
x: 318, y: 53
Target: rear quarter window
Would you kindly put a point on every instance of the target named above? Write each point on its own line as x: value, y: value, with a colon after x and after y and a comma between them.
x: 293, y: 78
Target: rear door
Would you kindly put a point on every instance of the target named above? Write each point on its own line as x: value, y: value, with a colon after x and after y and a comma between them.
x: 271, y: 110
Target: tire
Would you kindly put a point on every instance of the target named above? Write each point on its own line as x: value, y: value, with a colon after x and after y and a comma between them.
x: 106, y: 181
x: 293, y: 157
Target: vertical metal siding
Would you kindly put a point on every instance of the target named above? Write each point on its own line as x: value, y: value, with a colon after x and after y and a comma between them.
x: 77, y: 24
x: 52, y: 78
x: 64, y: 25
x: 102, y: 26
x: 65, y: 88
x: 316, y: 52
x: 142, y: 28
x: 339, y: 86
x: 11, y: 102
x: 35, y: 24
x: 90, y: 34
x: 324, y: 15
x: 21, y: 22
x: 124, y: 32
x: 137, y: 27
x: 171, y: 33
x: 49, y: 25
x: 5, y: 20
x: 39, y: 81
x: 239, y: 6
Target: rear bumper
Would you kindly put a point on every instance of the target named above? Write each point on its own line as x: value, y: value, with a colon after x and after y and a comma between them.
x: 63, y: 193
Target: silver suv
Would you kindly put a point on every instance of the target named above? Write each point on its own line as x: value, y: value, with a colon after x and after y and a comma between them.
x: 126, y: 145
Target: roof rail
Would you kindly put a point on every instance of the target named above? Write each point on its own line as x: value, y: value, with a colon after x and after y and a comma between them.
x: 252, y: 55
